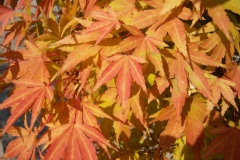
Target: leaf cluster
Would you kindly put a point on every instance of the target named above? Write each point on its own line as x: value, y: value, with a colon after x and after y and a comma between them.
x: 122, y: 79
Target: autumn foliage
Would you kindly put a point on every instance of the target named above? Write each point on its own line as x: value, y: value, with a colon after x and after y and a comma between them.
x: 122, y: 79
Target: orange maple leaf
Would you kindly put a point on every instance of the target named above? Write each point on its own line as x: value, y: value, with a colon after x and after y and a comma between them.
x: 24, y: 146
x: 91, y: 110
x: 127, y: 67
x: 74, y: 139
x: 82, y: 53
x: 105, y: 24
x: 32, y: 66
x: 33, y: 94
x: 143, y: 46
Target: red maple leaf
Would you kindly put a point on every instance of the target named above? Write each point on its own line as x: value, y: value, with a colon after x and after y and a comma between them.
x: 227, y: 144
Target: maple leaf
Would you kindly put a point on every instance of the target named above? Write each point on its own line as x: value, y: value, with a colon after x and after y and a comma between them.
x: 74, y: 139
x: 34, y: 78
x: 229, y: 138
x: 5, y: 14
x: 108, y: 98
x: 89, y: 118
x: 34, y: 94
x: 144, y: 46
x: 127, y: 67
x: 159, y: 28
x: 59, y: 142
x: 23, y: 146
x: 105, y: 24
x: 90, y: 110
x: 32, y: 66
x: 124, y: 9
x: 82, y: 53
x: 102, y: 52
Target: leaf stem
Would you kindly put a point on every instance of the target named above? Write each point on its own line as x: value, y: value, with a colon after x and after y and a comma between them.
x: 9, y: 49
x: 77, y: 107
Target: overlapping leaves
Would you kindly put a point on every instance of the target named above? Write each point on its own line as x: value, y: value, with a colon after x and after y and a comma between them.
x: 115, y: 65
